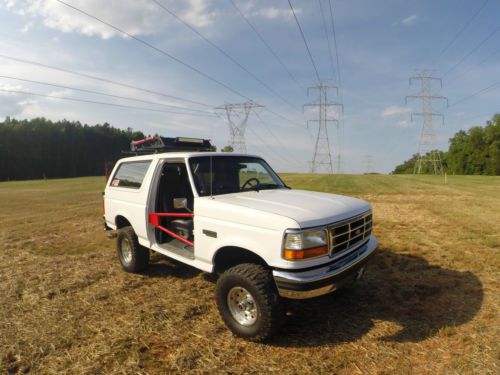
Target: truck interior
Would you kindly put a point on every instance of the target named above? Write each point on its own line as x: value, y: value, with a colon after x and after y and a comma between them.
x: 173, y: 185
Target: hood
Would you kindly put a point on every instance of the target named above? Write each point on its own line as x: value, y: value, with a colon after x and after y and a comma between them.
x: 307, y: 208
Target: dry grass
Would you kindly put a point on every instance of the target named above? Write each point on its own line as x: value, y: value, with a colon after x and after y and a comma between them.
x: 429, y: 302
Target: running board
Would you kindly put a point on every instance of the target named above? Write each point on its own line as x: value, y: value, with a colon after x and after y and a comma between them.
x: 179, y: 248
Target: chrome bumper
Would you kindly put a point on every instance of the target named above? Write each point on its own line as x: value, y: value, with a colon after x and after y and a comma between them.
x: 324, y: 279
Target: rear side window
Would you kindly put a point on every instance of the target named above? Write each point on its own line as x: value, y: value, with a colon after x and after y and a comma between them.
x: 131, y: 174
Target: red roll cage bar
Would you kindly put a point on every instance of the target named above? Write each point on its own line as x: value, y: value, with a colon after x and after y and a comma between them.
x: 154, y: 220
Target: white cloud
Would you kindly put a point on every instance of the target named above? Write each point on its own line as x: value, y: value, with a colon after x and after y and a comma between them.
x: 27, y: 27
x: 251, y: 9
x: 408, y: 21
x: 273, y: 13
x: 394, y: 110
x: 134, y: 16
x: 405, y: 124
x: 64, y: 93
x: 197, y: 15
x: 312, y: 113
x: 11, y: 104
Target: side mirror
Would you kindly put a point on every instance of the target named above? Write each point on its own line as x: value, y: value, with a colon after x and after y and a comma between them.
x: 181, y: 203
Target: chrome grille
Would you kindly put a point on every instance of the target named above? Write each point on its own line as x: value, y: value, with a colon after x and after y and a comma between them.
x: 349, y: 233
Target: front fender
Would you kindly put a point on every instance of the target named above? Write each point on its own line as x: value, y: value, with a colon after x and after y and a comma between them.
x: 213, y: 235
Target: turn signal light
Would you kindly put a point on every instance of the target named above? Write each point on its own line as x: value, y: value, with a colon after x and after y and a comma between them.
x: 305, y: 254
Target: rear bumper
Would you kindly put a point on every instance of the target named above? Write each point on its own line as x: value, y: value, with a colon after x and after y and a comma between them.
x: 324, y: 279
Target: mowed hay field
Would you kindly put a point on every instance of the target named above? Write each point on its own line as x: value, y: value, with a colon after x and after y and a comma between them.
x: 428, y: 304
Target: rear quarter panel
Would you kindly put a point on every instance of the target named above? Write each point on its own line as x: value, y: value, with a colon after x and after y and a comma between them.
x: 129, y: 203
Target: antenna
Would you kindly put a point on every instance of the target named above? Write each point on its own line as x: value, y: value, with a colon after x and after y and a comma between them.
x: 211, y: 176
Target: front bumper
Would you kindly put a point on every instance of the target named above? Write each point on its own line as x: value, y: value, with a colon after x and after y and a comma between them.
x: 324, y: 279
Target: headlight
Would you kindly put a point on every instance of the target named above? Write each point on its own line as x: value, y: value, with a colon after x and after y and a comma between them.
x: 304, y: 245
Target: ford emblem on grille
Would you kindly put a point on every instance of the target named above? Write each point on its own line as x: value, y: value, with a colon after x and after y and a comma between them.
x: 357, y: 232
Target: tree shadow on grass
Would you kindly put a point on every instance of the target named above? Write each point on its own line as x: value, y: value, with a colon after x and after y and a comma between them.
x: 399, y: 288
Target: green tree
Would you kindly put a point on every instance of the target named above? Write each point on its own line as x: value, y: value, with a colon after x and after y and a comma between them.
x: 39, y: 148
x: 475, y: 151
x: 408, y: 166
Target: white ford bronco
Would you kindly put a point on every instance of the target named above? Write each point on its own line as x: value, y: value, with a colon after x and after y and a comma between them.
x: 231, y: 214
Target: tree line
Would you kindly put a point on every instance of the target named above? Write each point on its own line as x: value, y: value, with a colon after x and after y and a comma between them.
x: 40, y: 148
x: 475, y: 151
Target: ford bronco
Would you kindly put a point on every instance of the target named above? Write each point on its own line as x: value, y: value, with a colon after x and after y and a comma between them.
x: 231, y: 214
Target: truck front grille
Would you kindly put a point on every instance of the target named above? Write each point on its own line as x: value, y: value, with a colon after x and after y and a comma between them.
x: 349, y: 233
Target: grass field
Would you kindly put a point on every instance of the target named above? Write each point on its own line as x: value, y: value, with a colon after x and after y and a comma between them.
x: 429, y: 303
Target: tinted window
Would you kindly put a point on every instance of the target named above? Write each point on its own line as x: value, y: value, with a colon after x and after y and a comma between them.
x: 131, y: 175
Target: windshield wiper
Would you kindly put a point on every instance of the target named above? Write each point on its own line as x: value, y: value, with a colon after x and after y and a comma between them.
x: 264, y: 187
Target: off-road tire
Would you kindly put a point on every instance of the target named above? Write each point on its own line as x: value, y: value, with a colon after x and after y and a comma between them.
x: 258, y: 281
x: 138, y: 259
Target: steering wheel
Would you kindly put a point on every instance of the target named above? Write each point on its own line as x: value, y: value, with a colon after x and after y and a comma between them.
x: 248, y: 182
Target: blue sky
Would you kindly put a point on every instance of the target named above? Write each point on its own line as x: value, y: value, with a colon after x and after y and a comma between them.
x: 380, y: 44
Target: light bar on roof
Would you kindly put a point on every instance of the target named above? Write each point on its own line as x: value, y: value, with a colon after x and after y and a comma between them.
x: 190, y: 140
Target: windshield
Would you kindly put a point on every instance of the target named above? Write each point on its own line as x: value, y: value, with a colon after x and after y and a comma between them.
x: 232, y: 174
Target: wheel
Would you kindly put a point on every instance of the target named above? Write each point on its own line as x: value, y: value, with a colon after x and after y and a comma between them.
x: 133, y: 257
x: 248, y: 301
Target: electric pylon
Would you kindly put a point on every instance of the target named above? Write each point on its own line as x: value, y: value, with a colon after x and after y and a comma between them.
x: 237, y: 131
x: 426, y: 153
x: 322, y: 157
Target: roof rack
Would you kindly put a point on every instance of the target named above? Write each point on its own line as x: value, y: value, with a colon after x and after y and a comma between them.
x: 156, y: 144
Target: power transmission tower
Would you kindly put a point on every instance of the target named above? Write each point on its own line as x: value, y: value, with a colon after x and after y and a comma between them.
x: 237, y: 130
x: 322, y: 157
x: 426, y: 153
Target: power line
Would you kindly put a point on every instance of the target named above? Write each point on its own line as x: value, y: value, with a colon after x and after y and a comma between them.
x: 117, y: 83
x: 274, y: 136
x: 237, y: 130
x: 475, y: 94
x: 300, y: 126
x: 305, y: 41
x: 273, y: 52
x: 327, y: 37
x: 222, y: 51
x: 336, y: 48
x: 341, y: 131
x: 244, y: 119
x: 462, y: 29
x: 100, y: 103
x: 471, y: 52
x: 157, y: 49
x: 103, y: 94
x: 267, y: 146
x: 481, y: 62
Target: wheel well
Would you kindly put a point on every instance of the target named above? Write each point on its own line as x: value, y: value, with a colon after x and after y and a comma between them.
x: 229, y: 256
x: 121, y: 222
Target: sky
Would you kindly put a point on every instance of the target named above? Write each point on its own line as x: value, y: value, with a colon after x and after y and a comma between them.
x: 205, y: 53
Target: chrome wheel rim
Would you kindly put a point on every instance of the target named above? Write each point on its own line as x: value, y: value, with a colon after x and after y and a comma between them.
x: 242, y: 306
x: 126, y: 251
